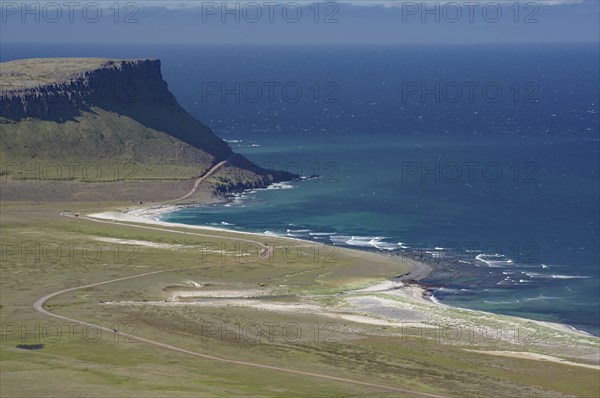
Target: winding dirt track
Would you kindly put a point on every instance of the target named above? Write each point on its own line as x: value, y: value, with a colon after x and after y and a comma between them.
x: 39, y: 307
x: 208, y: 173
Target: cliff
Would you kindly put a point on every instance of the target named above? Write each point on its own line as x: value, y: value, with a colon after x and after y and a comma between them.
x: 57, y: 89
x: 110, y: 111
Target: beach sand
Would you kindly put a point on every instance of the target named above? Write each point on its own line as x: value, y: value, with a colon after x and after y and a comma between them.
x: 406, y: 288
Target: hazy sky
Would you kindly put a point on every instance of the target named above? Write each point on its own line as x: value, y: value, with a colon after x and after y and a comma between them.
x: 301, y: 22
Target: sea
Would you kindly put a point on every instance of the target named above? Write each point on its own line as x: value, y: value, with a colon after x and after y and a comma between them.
x: 483, y: 159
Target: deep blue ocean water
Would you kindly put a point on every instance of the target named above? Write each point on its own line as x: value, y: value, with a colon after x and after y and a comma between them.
x: 486, y: 155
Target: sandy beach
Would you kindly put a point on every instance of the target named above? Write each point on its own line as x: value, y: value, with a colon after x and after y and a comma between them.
x: 413, y: 301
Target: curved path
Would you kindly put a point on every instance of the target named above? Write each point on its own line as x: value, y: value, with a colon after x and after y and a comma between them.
x: 39, y: 307
x: 208, y: 173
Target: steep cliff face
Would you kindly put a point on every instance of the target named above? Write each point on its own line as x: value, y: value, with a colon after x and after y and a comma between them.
x: 107, y: 112
x: 65, y: 89
x: 40, y: 91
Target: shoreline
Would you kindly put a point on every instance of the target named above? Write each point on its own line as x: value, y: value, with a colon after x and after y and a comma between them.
x: 149, y: 215
x: 419, y: 269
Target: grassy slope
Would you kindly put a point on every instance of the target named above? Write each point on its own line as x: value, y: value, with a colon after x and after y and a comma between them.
x: 108, y: 139
x: 131, y: 143
x: 111, y: 135
x: 109, y: 368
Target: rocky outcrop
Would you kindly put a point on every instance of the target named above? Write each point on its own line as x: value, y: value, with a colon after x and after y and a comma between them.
x: 111, y: 84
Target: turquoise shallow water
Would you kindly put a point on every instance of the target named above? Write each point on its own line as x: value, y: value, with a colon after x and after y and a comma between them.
x: 525, y: 232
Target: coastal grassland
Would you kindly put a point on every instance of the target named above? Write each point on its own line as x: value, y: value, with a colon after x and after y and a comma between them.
x: 234, y: 297
x: 99, y: 145
x: 29, y: 73
x: 103, y: 155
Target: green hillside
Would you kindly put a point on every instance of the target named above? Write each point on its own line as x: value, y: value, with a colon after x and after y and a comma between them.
x: 106, y: 120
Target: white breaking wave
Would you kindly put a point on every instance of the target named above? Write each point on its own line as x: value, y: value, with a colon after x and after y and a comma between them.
x: 221, y: 223
x: 540, y: 297
x: 381, y: 245
x: 494, y: 260
x: 376, y: 242
x: 280, y: 185
x: 555, y: 276
x: 447, y: 290
x: 435, y: 254
x: 434, y: 299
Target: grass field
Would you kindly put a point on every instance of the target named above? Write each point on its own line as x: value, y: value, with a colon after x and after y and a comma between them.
x: 295, y: 309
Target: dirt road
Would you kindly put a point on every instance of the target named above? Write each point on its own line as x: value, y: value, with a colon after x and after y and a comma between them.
x: 39, y: 306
